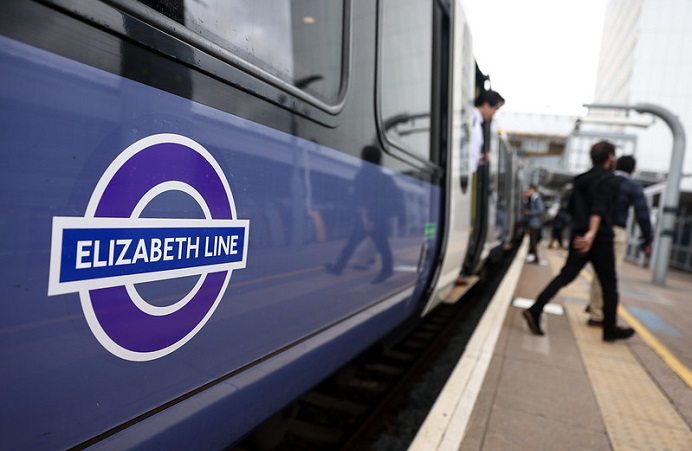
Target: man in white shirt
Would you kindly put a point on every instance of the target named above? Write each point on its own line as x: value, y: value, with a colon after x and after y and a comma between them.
x: 485, y: 107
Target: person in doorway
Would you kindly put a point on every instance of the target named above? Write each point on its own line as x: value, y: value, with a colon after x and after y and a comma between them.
x: 591, y: 206
x: 534, y: 217
x: 631, y: 195
x: 485, y: 107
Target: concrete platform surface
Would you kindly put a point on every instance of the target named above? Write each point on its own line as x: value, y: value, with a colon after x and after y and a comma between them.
x: 569, y: 390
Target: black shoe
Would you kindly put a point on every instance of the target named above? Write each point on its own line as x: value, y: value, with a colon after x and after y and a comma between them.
x: 382, y: 276
x: 332, y: 269
x: 533, y: 322
x: 594, y: 323
x: 618, y: 333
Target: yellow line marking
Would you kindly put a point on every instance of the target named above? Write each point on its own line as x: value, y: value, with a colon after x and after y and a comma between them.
x: 636, y: 413
x: 676, y: 365
x: 587, y: 275
x: 663, y: 352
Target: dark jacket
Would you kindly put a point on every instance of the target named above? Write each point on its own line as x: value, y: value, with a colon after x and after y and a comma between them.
x: 377, y: 194
x: 632, y: 194
x: 595, y: 193
x: 535, y: 210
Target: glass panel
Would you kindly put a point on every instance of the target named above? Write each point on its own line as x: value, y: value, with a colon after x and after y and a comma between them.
x: 405, y: 67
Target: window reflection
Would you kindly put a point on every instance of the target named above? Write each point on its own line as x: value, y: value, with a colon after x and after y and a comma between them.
x: 293, y: 40
x: 406, y: 67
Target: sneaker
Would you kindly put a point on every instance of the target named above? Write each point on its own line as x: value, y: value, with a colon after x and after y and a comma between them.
x: 530, y: 258
x: 533, y: 322
x: 618, y: 333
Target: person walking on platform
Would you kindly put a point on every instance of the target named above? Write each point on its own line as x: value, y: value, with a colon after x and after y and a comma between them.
x: 559, y: 223
x: 534, y: 218
x: 631, y: 195
x: 591, y: 204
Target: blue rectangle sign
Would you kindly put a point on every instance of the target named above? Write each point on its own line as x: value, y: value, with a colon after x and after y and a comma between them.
x: 94, y: 253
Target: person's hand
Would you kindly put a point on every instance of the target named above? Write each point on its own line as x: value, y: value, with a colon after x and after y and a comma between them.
x: 583, y: 243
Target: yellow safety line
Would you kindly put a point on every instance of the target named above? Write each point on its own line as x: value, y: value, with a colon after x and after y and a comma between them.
x: 676, y: 365
x: 672, y: 361
x: 636, y: 413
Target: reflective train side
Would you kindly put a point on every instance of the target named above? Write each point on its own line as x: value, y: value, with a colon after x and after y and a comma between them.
x: 175, y: 177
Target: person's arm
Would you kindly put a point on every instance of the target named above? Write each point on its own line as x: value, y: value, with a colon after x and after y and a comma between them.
x: 583, y: 243
x: 540, y: 206
x: 641, y: 212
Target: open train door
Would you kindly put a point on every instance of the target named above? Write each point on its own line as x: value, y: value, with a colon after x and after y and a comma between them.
x: 456, y: 157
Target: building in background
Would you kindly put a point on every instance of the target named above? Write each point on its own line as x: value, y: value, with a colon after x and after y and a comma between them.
x: 646, y: 57
x: 540, y: 140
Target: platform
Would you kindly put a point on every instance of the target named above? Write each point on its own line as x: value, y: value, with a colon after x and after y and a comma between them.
x: 569, y: 390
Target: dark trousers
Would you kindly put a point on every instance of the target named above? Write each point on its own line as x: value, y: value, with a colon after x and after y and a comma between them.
x: 602, y: 258
x: 534, y: 238
x: 556, y: 235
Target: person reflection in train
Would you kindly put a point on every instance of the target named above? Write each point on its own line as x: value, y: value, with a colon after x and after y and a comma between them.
x: 377, y: 199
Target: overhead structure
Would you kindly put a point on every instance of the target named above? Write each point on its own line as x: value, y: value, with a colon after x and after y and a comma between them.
x: 669, y: 209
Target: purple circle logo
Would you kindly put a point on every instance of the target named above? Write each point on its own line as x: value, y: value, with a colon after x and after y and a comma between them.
x: 104, y: 254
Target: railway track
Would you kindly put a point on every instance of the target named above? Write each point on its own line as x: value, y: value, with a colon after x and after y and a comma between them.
x: 363, y: 402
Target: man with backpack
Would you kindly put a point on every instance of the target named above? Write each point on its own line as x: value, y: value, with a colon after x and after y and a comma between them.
x: 631, y: 195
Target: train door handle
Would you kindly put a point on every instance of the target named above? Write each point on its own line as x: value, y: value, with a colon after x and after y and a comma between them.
x: 421, y: 257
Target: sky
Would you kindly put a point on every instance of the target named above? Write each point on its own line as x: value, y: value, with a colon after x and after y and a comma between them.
x: 541, y: 55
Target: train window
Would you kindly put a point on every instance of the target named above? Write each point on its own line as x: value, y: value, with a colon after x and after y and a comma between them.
x: 298, y: 41
x: 406, y: 74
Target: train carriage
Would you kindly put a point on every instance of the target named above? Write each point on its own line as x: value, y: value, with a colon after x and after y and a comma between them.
x: 177, y: 178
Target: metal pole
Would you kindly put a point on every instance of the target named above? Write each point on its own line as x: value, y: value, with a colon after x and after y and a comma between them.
x: 671, y: 197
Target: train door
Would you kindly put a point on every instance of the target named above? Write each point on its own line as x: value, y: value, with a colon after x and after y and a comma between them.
x: 456, y: 161
x: 415, y: 42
